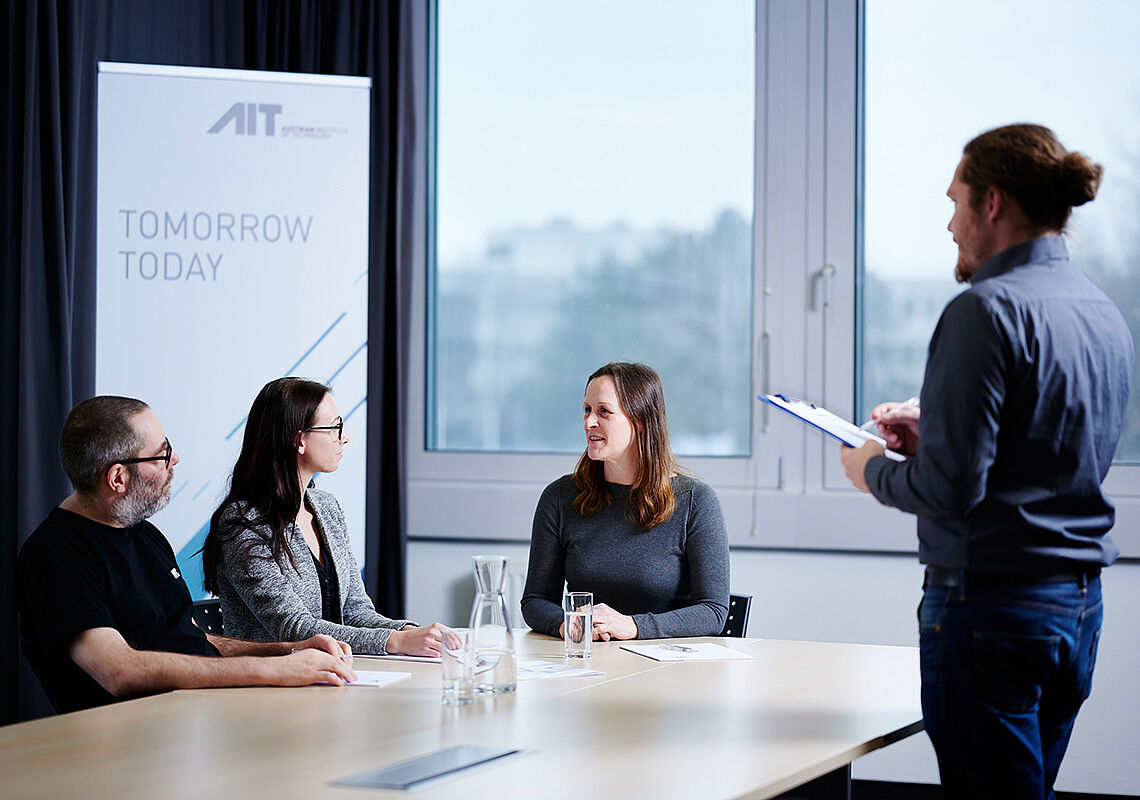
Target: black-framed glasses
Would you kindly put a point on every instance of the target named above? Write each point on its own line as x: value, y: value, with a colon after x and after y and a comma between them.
x: 165, y: 457
x: 338, y: 426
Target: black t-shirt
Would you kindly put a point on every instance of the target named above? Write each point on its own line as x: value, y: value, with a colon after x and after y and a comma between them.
x: 74, y: 574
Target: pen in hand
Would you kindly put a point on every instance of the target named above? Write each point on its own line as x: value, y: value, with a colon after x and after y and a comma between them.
x: 871, y: 423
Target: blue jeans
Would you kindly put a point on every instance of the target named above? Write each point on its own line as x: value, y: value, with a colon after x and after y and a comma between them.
x: 1004, y: 672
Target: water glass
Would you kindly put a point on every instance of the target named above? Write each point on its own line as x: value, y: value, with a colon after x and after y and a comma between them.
x: 578, y: 624
x: 458, y: 669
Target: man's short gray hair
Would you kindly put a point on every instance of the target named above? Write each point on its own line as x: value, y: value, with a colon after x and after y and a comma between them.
x: 97, y: 433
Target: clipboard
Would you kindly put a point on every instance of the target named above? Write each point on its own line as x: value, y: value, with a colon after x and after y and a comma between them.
x: 415, y: 772
x: 822, y: 419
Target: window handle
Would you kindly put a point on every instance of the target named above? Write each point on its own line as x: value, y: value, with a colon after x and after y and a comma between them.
x: 825, y: 276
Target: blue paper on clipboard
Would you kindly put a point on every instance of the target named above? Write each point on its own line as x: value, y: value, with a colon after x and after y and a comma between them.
x: 819, y: 417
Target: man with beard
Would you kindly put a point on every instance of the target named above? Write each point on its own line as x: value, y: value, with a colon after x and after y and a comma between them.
x: 104, y: 612
x: 1023, y: 403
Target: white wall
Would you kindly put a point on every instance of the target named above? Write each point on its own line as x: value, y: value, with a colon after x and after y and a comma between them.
x: 870, y: 599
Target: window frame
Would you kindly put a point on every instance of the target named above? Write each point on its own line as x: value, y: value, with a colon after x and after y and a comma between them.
x: 1123, y: 481
x: 807, y: 251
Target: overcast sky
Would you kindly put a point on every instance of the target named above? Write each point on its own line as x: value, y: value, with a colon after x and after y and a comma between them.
x: 643, y: 111
x: 598, y: 111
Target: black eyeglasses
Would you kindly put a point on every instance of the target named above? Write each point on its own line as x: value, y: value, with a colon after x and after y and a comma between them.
x: 164, y: 457
x: 338, y: 427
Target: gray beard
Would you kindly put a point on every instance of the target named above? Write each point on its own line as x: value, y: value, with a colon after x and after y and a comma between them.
x: 143, y: 500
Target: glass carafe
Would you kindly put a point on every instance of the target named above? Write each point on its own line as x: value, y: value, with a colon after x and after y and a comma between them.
x: 494, y: 642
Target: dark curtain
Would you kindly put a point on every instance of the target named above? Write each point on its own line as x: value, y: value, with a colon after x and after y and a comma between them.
x: 48, y: 292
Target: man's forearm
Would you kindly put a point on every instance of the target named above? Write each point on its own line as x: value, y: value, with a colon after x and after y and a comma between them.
x: 240, y: 647
x: 149, y: 671
x: 125, y: 672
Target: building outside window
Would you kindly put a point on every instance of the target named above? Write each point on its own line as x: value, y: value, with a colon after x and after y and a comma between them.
x: 593, y: 203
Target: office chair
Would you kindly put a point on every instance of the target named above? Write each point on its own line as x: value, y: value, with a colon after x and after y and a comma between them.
x: 737, y: 622
x: 208, y: 616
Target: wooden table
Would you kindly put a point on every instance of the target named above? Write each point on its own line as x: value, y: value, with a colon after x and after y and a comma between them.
x: 795, y: 713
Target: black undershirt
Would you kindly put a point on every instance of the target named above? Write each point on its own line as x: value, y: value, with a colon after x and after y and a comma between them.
x: 330, y: 609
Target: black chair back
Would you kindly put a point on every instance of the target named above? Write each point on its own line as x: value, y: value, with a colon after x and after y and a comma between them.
x: 208, y: 616
x: 737, y: 623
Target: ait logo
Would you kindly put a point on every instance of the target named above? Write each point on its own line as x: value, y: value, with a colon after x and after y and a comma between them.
x: 244, y: 117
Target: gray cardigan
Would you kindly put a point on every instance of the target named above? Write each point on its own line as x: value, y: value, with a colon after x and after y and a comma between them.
x: 269, y: 601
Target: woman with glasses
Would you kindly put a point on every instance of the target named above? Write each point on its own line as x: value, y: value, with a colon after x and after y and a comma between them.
x: 277, y: 553
x: 648, y: 541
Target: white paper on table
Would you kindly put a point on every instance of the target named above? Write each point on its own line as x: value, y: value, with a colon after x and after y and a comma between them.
x: 542, y: 670
x: 694, y: 652
x: 378, y: 678
x: 402, y: 657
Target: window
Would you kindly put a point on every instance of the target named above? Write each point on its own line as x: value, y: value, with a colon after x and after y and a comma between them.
x: 566, y: 217
x: 593, y: 203
x: 1073, y: 67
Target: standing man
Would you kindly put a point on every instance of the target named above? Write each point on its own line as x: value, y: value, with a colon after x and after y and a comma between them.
x: 104, y: 612
x: 1023, y: 402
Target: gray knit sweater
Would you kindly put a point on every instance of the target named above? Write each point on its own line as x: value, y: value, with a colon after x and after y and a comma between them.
x: 673, y: 579
x: 277, y: 602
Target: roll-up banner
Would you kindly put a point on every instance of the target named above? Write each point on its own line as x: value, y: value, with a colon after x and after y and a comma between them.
x: 232, y: 249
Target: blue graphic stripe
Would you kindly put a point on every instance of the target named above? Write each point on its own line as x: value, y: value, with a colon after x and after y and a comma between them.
x: 289, y: 371
x: 236, y: 428
x: 343, y: 314
x: 199, y: 492
x: 346, y: 363
x: 359, y: 403
x: 190, y: 563
x: 361, y: 276
x: 180, y: 488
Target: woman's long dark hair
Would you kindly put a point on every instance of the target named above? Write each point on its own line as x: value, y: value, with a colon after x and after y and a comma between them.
x: 265, y: 479
x: 642, y: 399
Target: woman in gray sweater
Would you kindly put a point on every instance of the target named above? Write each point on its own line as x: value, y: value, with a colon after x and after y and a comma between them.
x: 277, y: 554
x: 648, y: 542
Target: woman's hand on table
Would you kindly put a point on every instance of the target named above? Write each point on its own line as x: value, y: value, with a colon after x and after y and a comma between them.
x: 609, y: 624
x: 413, y: 640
